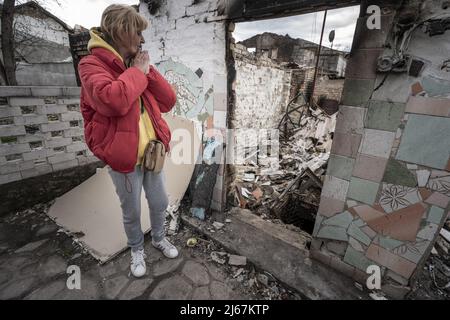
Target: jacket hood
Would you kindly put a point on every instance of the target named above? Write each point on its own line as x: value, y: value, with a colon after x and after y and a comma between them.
x: 97, y: 41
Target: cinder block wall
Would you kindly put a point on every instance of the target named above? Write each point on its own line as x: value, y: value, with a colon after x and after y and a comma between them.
x: 386, y: 194
x: 41, y: 131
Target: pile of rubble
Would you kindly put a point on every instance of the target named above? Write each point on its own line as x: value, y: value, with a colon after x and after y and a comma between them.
x: 287, y: 186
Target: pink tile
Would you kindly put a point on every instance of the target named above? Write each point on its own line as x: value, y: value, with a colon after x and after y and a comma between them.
x: 369, y: 167
x: 438, y: 199
x: 346, y: 144
x: 369, y: 232
x: 391, y: 261
x: 329, y: 207
x: 402, y: 224
x: 429, y: 106
x: 367, y: 213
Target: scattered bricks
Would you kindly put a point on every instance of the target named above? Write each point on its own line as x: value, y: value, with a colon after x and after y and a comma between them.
x: 55, y: 126
x: 46, y: 91
x: 15, y: 148
x: 237, y: 260
x: 21, y: 102
x: 76, y: 147
x: 71, y: 115
x: 61, y: 158
x: 73, y: 132
x: 48, y: 109
x: 7, y: 178
x: 37, y: 171
x: 31, y: 119
x: 8, y: 111
x: 65, y: 165
x: 58, y: 142
x: 6, y: 131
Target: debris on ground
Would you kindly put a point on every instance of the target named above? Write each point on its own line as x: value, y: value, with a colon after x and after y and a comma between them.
x: 287, y: 186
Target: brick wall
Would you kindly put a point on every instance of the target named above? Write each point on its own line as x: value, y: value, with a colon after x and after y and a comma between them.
x: 41, y: 131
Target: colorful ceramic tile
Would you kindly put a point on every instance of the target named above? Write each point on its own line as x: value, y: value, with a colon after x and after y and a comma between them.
x: 438, y: 199
x: 335, y: 188
x: 363, y: 190
x: 428, y: 106
x: 387, y: 243
x: 377, y: 143
x: 370, y: 233
x: 397, y: 173
x: 419, y: 139
x: 350, y: 120
x: 356, y: 233
x: 436, y: 87
x: 422, y: 177
x: 357, y: 259
x: 369, y: 167
x: 440, y: 184
x: 383, y: 257
x: 435, y: 215
x: 341, y: 167
x: 384, y: 115
x: 402, y: 225
x: 329, y: 207
x: 368, y: 213
x: 355, y: 244
x: 346, y: 144
x: 412, y: 251
x: 397, y: 197
x: 340, y: 220
x: 428, y: 232
x: 317, y: 225
x: 334, y: 233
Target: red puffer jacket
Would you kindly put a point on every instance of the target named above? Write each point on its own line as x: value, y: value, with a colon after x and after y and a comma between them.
x: 110, y: 107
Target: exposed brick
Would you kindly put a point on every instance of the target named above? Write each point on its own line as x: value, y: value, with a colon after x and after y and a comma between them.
x: 32, y: 119
x: 22, y: 102
x: 7, y: 178
x: 16, y: 167
x: 71, y: 91
x: 52, y: 109
x: 61, y: 158
x: 37, y: 171
x: 71, y: 115
x: 46, y: 91
x: 58, y: 142
x: 76, y: 147
x: 69, y: 101
x: 33, y: 137
x: 15, y: 91
x: 65, y: 165
x: 73, y: 132
x: 13, y: 149
x: 35, y: 155
x: 57, y: 126
x: 9, y: 131
x: 7, y: 111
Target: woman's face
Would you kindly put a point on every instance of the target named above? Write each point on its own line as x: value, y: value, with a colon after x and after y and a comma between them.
x: 134, y: 44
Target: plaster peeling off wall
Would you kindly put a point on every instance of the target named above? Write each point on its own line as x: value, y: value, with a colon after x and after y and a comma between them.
x: 387, y: 194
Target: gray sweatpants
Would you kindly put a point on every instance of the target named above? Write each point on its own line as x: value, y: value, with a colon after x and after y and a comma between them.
x: 128, y: 188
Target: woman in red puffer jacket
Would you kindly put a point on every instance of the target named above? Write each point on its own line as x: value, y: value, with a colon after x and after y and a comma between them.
x: 122, y: 98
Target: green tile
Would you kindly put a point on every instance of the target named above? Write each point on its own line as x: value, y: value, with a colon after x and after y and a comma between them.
x: 334, y: 233
x: 340, y: 220
x: 341, y: 167
x: 357, y: 259
x: 384, y: 115
x: 398, y: 174
x: 389, y: 243
x: 425, y: 141
x: 436, y: 87
x: 363, y: 190
x: 356, y: 233
x: 435, y: 215
x: 357, y: 92
x: 359, y: 223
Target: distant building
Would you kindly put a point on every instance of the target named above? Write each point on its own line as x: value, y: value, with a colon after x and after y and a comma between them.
x: 285, y: 49
x: 42, y: 47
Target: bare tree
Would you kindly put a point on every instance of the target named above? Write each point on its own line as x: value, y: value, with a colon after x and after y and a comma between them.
x: 10, y: 31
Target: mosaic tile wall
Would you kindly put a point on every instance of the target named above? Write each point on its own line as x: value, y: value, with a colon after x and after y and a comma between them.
x: 387, y: 188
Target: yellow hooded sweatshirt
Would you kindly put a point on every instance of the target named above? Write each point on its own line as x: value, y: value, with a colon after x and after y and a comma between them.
x: 146, y: 130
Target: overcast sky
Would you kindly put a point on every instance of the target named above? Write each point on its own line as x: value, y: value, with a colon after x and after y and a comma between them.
x: 88, y: 13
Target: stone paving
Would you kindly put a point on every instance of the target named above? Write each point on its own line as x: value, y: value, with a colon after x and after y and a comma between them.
x: 35, y: 255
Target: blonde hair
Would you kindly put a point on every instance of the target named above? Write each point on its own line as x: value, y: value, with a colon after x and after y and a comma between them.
x: 119, y: 22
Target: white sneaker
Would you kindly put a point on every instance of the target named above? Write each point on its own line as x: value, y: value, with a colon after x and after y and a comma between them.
x: 168, y: 249
x: 138, y: 268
